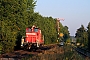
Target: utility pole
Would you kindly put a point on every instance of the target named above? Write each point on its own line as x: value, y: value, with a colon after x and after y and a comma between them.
x: 58, y: 27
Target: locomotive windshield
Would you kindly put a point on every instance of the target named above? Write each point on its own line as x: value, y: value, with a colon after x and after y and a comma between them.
x: 28, y: 30
x: 35, y: 30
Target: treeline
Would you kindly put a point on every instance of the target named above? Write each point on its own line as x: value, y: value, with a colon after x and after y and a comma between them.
x: 83, y: 36
x: 16, y: 15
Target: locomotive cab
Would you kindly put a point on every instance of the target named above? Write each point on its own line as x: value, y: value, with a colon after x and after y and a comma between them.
x: 32, y: 39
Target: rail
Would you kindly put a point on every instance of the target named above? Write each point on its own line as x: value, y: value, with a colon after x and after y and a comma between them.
x: 83, y: 52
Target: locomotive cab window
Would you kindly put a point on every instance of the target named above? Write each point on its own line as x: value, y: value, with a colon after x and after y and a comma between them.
x: 28, y: 30
x: 35, y: 30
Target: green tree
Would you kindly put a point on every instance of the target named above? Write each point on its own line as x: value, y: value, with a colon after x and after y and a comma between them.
x: 66, y: 33
x: 88, y: 31
x: 81, y: 36
x: 13, y: 20
x: 7, y: 32
x: 30, y: 12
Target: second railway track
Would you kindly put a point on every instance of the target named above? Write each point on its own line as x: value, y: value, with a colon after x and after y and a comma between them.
x: 83, y: 52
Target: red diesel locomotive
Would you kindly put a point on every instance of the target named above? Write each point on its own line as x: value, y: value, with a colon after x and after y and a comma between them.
x: 33, y: 38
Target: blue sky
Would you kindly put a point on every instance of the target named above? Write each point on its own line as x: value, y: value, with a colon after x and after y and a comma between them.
x: 75, y: 12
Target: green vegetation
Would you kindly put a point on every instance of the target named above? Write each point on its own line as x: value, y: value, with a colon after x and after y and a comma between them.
x: 88, y: 31
x: 83, y: 36
x: 16, y: 15
x: 71, y: 54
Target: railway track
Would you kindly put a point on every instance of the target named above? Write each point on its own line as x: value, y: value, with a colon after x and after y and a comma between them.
x: 83, y: 52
